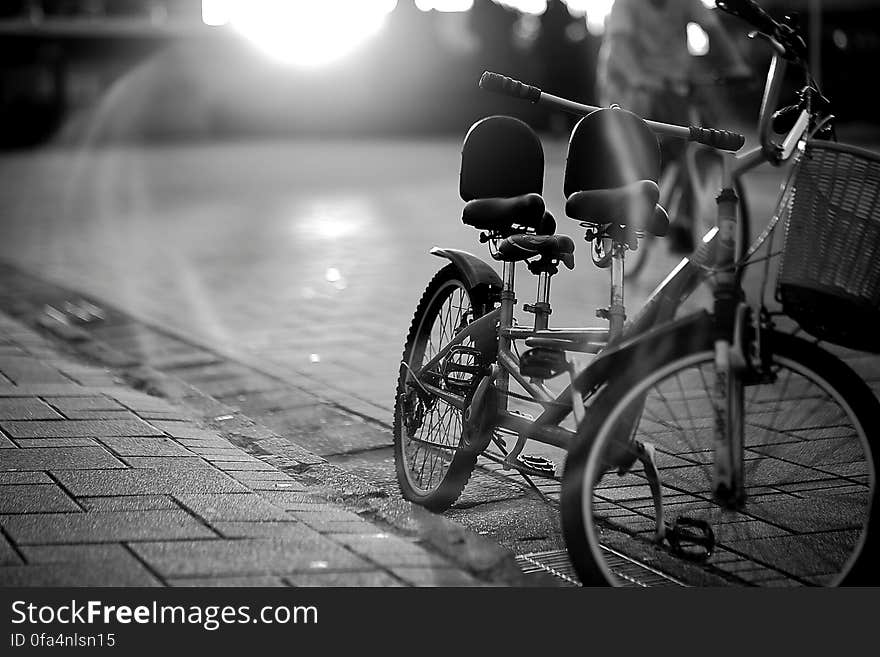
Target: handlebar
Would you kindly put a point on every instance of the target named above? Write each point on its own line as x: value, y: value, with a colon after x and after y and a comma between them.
x: 719, y: 139
x: 784, y: 36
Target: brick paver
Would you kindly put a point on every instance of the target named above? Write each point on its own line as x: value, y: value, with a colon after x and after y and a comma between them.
x: 75, y: 428
x: 49, y: 528
x: 27, y: 409
x: 101, y: 485
x: 57, y: 458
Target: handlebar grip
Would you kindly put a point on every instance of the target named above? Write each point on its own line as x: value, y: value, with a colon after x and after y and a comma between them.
x: 501, y: 84
x: 721, y: 139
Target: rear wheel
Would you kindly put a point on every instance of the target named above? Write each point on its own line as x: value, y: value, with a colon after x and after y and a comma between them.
x: 431, y: 461
x: 810, y: 475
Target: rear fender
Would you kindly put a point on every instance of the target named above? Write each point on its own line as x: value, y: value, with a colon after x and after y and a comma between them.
x: 476, y: 274
x: 475, y: 271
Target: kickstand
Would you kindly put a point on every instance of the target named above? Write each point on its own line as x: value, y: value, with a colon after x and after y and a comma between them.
x: 500, y: 444
x: 534, y: 486
x: 646, y: 454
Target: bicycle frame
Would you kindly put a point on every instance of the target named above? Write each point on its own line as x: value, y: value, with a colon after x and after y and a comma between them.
x: 717, y: 255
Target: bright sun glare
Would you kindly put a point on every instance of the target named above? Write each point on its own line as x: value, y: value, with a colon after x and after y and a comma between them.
x: 311, y: 33
x: 301, y: 32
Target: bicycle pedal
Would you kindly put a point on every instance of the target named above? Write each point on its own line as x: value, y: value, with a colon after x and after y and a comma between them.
x: 462, y: 368
x: 537, y: 463
x: 543, y: 363
x: 691, y: 539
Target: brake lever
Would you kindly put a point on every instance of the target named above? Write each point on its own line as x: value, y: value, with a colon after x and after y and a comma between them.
x: 776, y: 45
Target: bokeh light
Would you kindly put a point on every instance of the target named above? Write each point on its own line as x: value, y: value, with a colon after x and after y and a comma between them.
x: 445, y: 5
x: 698, y: 40
x: 301, y: 32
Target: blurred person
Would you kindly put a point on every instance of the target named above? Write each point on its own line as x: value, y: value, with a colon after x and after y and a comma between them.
x: 492, y: 24
x: 645, y: 65
x: 492, y: 28
x: 559, y: 59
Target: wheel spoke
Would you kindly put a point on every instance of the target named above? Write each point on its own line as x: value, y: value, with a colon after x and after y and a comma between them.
x: 808, y: 472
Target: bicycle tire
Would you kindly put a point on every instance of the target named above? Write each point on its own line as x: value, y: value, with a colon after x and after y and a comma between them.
x: 825, y: 470
x: 455, y: 464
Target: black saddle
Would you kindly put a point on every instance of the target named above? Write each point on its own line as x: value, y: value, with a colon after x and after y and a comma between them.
x: 611, y: 173
x: 500, y: 214
x: 633, y: 206
x: 502, y: 177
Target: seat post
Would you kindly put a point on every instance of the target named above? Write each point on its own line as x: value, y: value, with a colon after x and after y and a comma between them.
x: 542, y: 301
x: 617, y: 311
x: 508, y: 303
x: 508, y: 297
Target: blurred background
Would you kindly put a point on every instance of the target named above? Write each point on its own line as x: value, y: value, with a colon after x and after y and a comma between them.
x: 111, y: 70
x: 265, y: 177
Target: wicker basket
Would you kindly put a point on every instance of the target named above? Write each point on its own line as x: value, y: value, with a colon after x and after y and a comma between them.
x: 829, y: 277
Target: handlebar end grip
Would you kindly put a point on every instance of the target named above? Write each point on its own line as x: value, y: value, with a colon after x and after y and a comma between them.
x: 502, y: 84
x: 721, y: 139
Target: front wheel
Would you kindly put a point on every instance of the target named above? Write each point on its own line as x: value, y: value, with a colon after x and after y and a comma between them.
x: 810, y: 475
x: 431, y: 461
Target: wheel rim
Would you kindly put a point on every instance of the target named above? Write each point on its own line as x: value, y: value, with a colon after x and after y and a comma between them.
x: 809, y: 497
x: 431, y: 428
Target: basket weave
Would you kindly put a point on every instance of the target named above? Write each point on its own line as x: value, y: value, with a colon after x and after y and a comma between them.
x: 829, y: 277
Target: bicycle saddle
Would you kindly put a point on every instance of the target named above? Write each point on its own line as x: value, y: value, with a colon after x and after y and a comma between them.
x: 501, y: 157
x: 634, y: 206
x: 499, y: 214
x: 523, y: 247
x: 611, y: 170
x: 502, y: 177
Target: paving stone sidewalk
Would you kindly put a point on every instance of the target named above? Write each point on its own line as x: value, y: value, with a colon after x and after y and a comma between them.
x: 103, y: 485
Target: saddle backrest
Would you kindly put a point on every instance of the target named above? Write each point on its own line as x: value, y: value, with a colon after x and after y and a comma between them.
x: 610, y: 148
x: 501, y: 157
